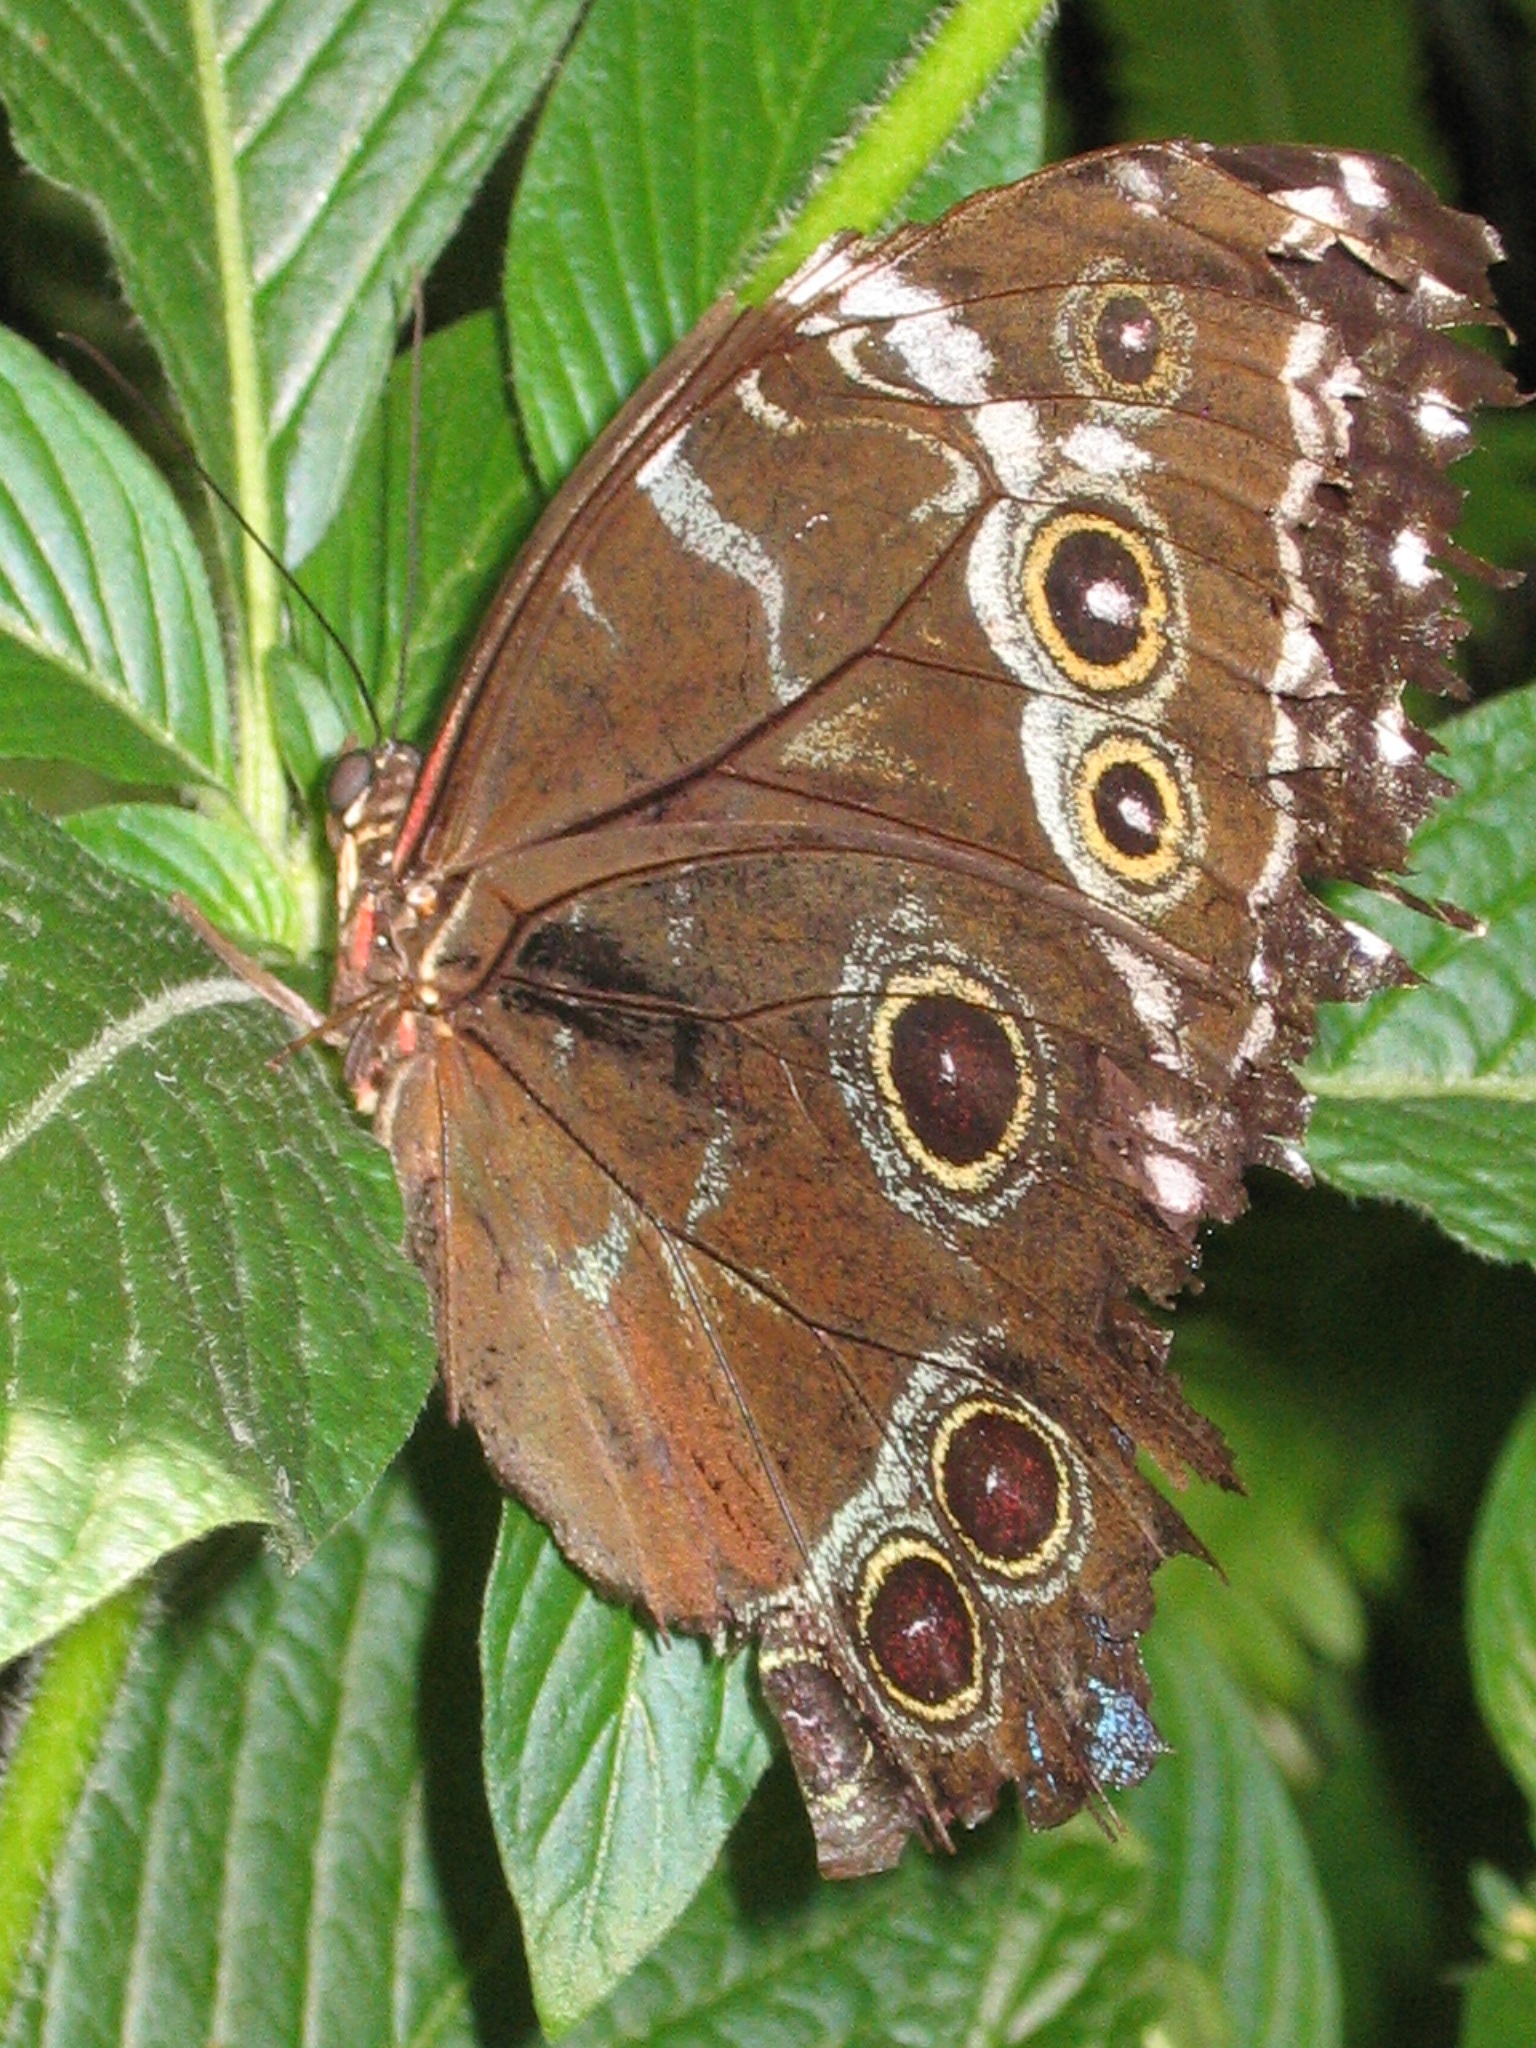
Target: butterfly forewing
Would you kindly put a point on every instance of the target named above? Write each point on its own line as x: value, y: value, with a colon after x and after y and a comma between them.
x: 851, y: 933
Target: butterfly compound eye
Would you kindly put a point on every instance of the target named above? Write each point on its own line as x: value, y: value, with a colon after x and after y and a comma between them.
x: 349, y: 779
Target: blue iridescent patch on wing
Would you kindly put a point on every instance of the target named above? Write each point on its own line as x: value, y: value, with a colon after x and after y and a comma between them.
x: 1122, y: 1744
x: 1032, y: 1736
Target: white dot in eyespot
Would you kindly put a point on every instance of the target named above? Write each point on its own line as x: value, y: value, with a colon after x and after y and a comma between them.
x: 1111, y: 602
x: 1138, y: 817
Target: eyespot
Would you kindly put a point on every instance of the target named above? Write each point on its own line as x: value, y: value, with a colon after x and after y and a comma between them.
x: 1120, y: 807
x: 1131, y: 811
x: 1122, y: 337
x: 955, y: 1074
x: 946, y: 1076
x: 1003, y: 1479
x: 920, y: 1629
x: 349, y: 780
x: 1097, y: 599
x: 1127, y: 338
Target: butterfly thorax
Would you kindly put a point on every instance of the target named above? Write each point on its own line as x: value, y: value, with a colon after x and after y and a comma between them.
x: 377, y: 997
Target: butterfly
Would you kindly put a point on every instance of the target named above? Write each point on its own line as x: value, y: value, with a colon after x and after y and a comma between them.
x: 851, y: 930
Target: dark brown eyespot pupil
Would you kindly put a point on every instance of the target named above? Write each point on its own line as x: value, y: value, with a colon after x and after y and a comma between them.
x: 1001, y: 1485
x: 1096, y: 595
x: 920, y: 1631
x: 1128, y: 338
x: 349, y: 778
x: 1130, y: 810
x: 955, y: 1070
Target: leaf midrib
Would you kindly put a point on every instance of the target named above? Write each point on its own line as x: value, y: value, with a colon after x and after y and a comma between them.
x: 262, y: 794
x: 116, y: 1039
x: 1395, y: 1085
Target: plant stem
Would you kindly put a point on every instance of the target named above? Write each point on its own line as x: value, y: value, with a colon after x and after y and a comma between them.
x: 952, y: 72
x: 66, y: 1717
x: 263, y: 797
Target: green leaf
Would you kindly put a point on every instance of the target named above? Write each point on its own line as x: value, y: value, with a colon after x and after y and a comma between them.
x: 1385, y: 1910
x: 176, y: 1222
x: 1500, y: 2008
x: 271, y: 182
x: 1039, y: 1939
x: 68, y: 1706
x: 1428, y: 1095
x: 616, y: 1767
x: 269, y: 1851
x: 1360, y: 1365
x: 254, y: 1861
x: 1502, y: 1605
x: 109, y: 648
x: 1500, y: 2003
x: 1273, y: 71
x: 1235, y: 1891
x: 676, y: 133
x: 1286, y: 1597
x: 1498, y: 475
x: 475, y: 501
x: 217, y: 860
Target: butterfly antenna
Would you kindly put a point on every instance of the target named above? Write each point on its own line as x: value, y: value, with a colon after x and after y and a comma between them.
x: 173, y: 433
x: 296, y: 1008
x: 412, y: 519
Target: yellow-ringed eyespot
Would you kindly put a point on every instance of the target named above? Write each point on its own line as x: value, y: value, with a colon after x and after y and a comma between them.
x: 1122, y: 337
x: 1097, y: 599
x: 920, y: 1628
x: 1131, y: 812
x: 955, y: 1075
x: 1138, y: 339
x: 1003, y: 1480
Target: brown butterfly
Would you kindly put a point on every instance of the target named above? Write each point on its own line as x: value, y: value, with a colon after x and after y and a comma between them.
x: 850, y: 931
